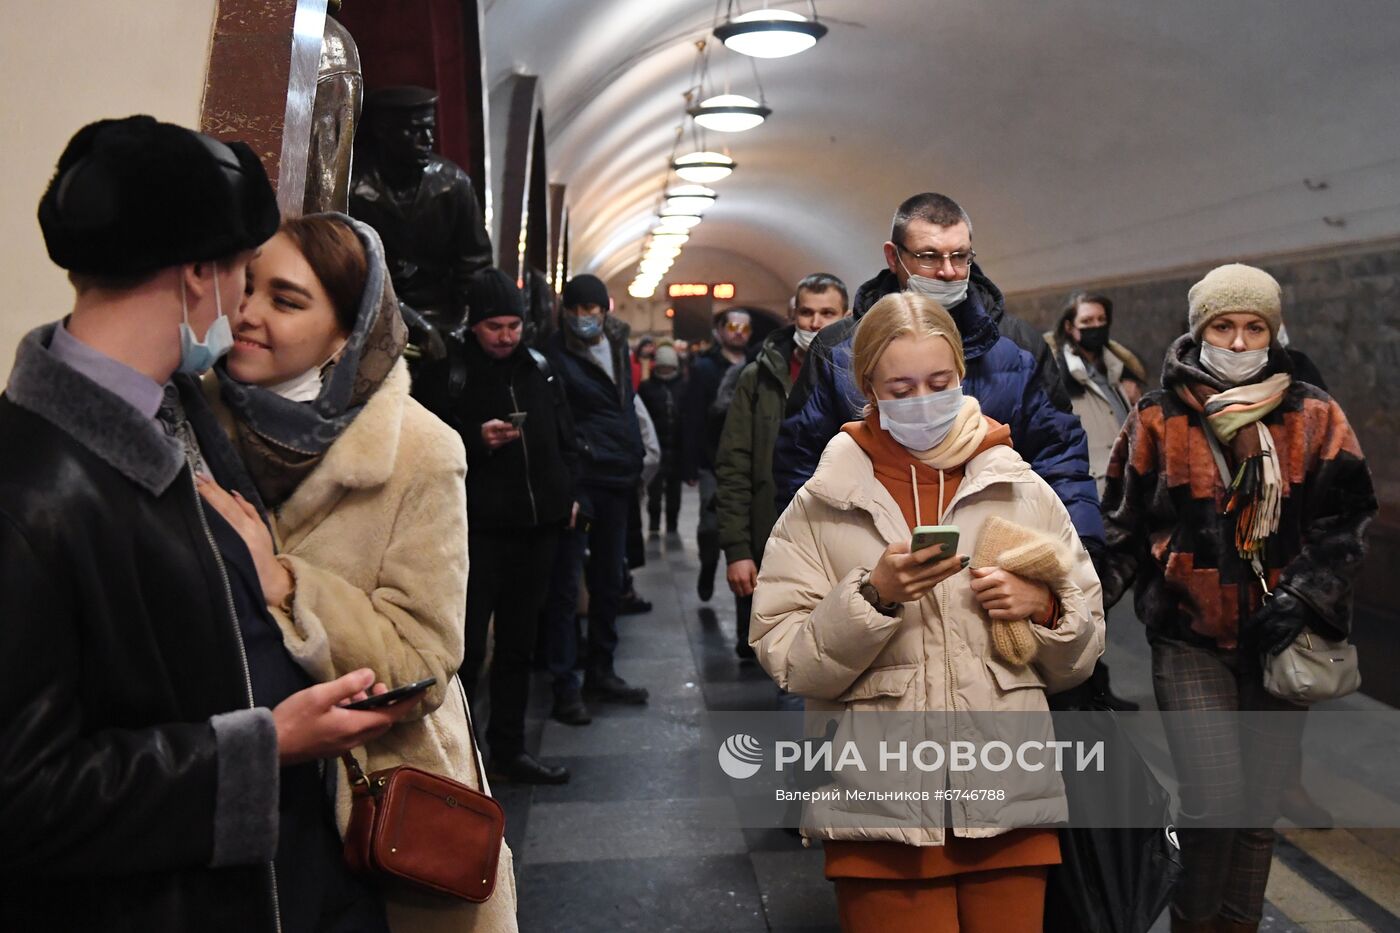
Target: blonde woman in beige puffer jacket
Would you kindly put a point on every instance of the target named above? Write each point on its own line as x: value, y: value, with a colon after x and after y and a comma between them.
x: 843, y: 545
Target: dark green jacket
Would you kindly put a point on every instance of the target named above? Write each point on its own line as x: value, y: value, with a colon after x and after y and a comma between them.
x: 744, y: 466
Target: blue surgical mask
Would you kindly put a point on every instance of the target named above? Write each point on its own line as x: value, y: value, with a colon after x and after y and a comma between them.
x: 921, y: 422
x: 585, y: 328
x: 196, y: 356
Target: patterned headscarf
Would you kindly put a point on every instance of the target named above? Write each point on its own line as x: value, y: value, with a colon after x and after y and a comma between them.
x: 282, y: 441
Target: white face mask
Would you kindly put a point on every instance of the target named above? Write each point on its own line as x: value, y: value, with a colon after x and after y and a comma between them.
x: 946, y: 294
x: 1230, y: 367
x: 307, y: 386
x: 803, y: 338
x: 921, y: 422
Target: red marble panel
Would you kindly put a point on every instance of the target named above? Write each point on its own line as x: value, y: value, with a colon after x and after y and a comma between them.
x: 245, y: 94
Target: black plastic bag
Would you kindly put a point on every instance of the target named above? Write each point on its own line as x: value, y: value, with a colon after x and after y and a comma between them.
x: 1111, y: 880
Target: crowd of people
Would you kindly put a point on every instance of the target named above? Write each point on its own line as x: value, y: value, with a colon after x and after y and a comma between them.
x: 227, y: 511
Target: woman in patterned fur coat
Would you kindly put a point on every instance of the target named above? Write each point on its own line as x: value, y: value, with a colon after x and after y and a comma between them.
x: 1229, y: 570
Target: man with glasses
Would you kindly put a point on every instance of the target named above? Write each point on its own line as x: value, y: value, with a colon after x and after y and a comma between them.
x: 702, y: 423
x: 930, y: 252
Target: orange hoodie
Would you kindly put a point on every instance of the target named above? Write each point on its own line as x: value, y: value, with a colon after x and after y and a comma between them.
x: 892, y: 461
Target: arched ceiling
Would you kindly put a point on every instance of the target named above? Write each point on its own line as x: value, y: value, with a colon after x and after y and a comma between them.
x: 1087, y: 138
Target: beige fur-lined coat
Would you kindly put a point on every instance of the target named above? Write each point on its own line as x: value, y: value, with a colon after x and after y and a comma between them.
x: 376, y: 537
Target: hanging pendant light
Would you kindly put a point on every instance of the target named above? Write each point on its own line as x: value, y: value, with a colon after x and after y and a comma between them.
x: 666, y: 232
x: 662, y: 250
x: 641, y: 290
x: 689, y: 199
x: 679, y: 220
x: 770, y: 33
x: 730, y: 113
x: 703, y: 167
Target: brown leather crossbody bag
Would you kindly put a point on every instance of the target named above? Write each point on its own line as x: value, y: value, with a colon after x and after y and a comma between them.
x: 430, y: 832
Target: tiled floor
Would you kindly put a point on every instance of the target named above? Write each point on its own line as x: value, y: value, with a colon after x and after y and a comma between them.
x: 639, y: 839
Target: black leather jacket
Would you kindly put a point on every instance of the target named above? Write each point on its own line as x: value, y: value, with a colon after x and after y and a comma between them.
x: 138, y: 790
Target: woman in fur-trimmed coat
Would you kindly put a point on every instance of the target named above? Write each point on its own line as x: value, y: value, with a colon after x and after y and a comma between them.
x: 1287, y: 517
x: 365, y: 490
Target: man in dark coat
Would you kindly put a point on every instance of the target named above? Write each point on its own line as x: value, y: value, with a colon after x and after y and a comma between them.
x: 589, y: 355
x: 662, y: 393
x: 744, y: 464
x: 522, y: 467
x: 703, y: 421
x: 930, y: 251
x: 159, y: 747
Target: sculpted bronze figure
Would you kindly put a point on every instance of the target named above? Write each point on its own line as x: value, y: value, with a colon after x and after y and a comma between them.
x: 423, y: 206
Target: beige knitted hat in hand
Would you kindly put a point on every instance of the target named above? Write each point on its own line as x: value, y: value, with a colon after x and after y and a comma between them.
x: 1028, y: 554
x: 1235, y: 288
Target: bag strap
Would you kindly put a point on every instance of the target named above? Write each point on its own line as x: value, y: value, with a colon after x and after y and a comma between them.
x: 357, y: 774
x: 471, y: 736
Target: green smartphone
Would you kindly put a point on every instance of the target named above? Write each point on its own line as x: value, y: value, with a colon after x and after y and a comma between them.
x: 926, y: 536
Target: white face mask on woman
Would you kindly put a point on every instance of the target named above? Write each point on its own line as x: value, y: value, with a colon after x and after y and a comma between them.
x: 921, y: 422
x: 1230, y: 367
x: 307, y: 386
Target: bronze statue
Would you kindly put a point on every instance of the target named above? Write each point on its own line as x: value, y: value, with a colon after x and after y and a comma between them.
x: 334, y: 119
x: 423, y: 206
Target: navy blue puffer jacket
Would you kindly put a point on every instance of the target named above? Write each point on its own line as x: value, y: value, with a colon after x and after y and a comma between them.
x: 1004, y: 379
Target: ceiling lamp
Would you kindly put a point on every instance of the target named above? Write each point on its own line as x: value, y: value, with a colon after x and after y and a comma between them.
x: 656, y: 266
x: 679, y: 220
x: 770, y: 33
x: 730, y: 113
x: 703, y: 167
x: 688, y: 199
x: 666, y: 233
x: 663, y: 250
x: 641, y: 289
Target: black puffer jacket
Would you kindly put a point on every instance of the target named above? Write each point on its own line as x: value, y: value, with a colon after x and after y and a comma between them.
x: 138, y: 791
x: 605, y: 415
x: 662, y: 397
x: 525, y: 483
x: 701, y: 424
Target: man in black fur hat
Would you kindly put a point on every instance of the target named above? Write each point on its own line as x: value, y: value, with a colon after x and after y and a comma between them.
x: 159, y: 746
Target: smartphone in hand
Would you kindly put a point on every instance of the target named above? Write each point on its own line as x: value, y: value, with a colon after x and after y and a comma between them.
x: 926, y: 536
x: 390, y: 697
x: 517, y: 419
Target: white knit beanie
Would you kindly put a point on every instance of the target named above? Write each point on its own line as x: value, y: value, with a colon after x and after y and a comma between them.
x: 1235, y: 288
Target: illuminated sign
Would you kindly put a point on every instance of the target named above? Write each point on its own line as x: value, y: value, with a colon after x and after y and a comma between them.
x: 724, y: 291
x: 689, y: 290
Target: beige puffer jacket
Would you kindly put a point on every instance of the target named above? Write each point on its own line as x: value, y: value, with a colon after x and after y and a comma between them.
x: 376, y: 537
x: 819, y: 638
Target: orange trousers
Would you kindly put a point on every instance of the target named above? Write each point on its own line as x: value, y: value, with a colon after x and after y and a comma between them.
x: 1005, y: 900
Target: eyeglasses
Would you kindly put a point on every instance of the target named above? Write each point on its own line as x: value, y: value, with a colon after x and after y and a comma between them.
x: 739, y: 328
x: 960, y: 260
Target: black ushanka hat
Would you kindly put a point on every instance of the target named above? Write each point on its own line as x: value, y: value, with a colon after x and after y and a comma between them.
x: 135, y: 195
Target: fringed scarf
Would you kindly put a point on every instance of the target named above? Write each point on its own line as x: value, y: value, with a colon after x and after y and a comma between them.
x: 1254, y: 495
